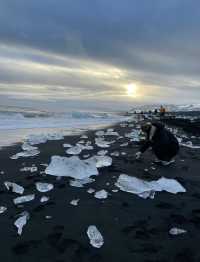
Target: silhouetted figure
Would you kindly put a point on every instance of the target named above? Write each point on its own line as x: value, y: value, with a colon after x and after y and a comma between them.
x: 164, y: 144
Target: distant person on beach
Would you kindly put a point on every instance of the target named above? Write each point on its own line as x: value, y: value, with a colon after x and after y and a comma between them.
x: 163, y: 143
x: 162, y: 111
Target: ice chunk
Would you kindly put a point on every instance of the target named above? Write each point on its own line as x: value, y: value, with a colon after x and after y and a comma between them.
x: 134, y: 135
x: 146, y: 188
x: 31, y: 169
x: 75, y: 150
x: 90, y: 190
x: 23, y: 199
x: 71, y: 167
x: 15, y: 187
x: 96, y: 239
x: 74, y: 202
x: 2, y: 209
x: 115, y: 153
x: 67, y: 145
x: 25, y: 154
x: 189, y: 144
x: 27, y: 147
x: 101, y: 161
x: 100, y: 142
x: 81, y: 182
x: 124, y: 144
x: 21, y: 221
x: 102, y: 194
x: 84, y: 137
x: 102, y: 152
x: 99, y: 133
x: 44, y: 187
x: 44, y: 199
x: 115, y: 190
x: 177, y: 231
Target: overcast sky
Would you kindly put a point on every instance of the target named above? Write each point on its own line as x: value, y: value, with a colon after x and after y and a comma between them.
x: 86, y: 53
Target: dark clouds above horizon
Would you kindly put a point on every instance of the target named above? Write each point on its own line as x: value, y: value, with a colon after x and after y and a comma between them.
x: 91, y: 49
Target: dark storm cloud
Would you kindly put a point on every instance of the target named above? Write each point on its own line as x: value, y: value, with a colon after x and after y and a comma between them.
x: 156, y: 42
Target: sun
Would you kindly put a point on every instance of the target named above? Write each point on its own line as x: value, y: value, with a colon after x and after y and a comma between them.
x: 131, y: 90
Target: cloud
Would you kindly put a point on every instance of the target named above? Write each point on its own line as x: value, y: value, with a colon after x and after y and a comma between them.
x: 91, y: 50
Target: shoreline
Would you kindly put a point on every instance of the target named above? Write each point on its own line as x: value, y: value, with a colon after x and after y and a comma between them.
x: 133, y: 228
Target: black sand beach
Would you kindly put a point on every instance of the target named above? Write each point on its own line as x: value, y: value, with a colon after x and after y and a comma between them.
x: 134, y: 229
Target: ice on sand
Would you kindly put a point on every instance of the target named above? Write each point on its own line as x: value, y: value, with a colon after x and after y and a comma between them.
x: 74, y: 202
x: 44, y: 199
x: 44, y: 187
x: 100, y: 142
x: 15, y: 187
x: 90, y: 190
x: 23, y: 199
x: 102, y: 194
x: 102, y: 152
x: 21, y: 221
x: 101, y: 161
x: 31, y: 169
x: 71, y: 167
x: 27, y: 153
x: 96, y: 239
x: 145, y: 189
x: 67, y: 145
x: 177, y: 231
x: 81, y: 182
x: 75, y: 150
x: 2, y: 209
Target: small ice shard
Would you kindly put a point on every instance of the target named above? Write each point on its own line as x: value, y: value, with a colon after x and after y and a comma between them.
x: 115, y: 190
x: 124, y: 144
x: 15, y: 187
x: 81, y: 182
x: 177, y: 231
x: 44, y: 165
x: 96, y: 239
x: 190, y: 145
x: 86, y: 156
x: 99, y: 133
x: 75, y: 150
x: 74, y: 202
x: 44, y: 199
x: 25, y: 154
x: 100, y: 142
x: 48, y: 217
x: 102, y: 194
x: 71, y: 167
x: 101, y: 161
x: 27, y: 147
x: 115, y: 153
x: 84, y: 137
x: 31, y: 169
x: 102, y: 152
x: 123, y: 153
x: 81, y: 142
x: 141, y: 187
x: 21, y: 221
x: 107, y: 184
x: 2, y: 209
x: 134, y: 135
x: 147, y: 194
x: 23, y: 199
x: 2, y: 172
x: 44, y: 187
x: 67, y: 145
x: 35, y: 139
x: 146, y: 169
x: 90, y: 190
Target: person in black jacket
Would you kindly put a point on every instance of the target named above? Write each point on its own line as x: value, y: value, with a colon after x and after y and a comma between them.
x: 163, y: 143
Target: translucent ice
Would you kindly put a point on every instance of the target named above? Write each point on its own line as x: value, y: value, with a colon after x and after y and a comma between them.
x: 96, y: 239
x: 23, y: 199
x: 177, y: 231
x: 44, y: 187
x: 71, y: 167
x: 15, y: 187
x: 102, y: 194
x: 21, y: 221
x: 2, y: 209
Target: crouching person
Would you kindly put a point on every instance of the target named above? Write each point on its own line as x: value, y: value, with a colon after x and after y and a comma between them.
x: 164, y: 144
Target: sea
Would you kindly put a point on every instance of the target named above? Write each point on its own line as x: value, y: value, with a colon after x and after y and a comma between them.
x: 16, y: 124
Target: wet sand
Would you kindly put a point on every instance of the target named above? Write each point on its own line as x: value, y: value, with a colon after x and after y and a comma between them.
x: 134, y: 229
